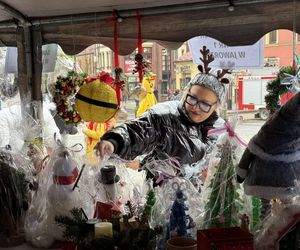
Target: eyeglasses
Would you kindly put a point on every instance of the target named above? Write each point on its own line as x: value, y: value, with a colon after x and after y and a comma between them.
x: 193, y: 101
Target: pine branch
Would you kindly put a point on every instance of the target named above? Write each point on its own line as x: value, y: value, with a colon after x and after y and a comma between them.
x: 75, y: 229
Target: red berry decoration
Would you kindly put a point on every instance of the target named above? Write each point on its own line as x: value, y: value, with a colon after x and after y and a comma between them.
x: 65, y: 89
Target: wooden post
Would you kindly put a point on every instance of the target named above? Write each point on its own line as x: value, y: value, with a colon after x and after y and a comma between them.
x: 37, y: 72
x: 24, y: 81
x: 29, y: 43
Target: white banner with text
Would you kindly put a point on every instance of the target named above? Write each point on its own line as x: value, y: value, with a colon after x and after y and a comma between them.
x: 228, y: 57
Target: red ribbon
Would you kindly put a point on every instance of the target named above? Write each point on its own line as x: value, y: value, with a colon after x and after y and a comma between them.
x: 229, y: 129
x: 140, y: 42
x: 103, y: 76
x: 91, y: 127
x: 90, y: 79
x: 116, y: 52
x: 118, y: 85
x: 66, y: 180
x: 116, y: 57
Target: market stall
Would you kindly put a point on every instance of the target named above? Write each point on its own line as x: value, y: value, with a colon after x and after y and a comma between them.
x: 63, y: 202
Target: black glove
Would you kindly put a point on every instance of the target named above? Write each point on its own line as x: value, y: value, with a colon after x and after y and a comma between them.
x: 239, y: 179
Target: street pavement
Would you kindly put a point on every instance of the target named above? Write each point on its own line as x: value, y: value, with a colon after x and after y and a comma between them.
x: 246, y: 129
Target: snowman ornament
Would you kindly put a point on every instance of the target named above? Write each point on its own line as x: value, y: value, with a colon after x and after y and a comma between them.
x: 62, y: 197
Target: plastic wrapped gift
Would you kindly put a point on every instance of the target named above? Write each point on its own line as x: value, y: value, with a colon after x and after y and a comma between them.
x: 108, y: 192
x: 225, y: 199
x: 57, y: 195
x: 19, y: 130
x: 280, y: 229
x: 164, y: 213
x: 14, y: 199
x: 107, y: 186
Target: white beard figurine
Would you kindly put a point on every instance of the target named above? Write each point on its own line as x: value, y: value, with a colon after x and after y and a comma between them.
x: 271, y: 163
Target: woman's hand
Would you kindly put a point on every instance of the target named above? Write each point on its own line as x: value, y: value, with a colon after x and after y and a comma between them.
x: 103, y: 148
x: 84, y: 128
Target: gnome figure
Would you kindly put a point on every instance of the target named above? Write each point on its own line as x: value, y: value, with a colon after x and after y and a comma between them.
x: 61, y: 196
x: 270, y: 165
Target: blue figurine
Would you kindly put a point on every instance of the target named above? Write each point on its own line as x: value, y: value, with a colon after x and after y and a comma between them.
x: 178, y: 215
x: 179, y: 222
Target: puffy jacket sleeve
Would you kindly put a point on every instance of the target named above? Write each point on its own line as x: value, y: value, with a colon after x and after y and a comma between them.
x: 138, y: 136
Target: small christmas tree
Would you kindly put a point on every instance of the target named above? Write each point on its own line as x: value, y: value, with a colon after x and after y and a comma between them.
x: 224, y: 202
x: 144, y: 218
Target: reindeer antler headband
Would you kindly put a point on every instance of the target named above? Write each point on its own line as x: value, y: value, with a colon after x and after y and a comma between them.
x: 207, y: 59
x: 211, y: 79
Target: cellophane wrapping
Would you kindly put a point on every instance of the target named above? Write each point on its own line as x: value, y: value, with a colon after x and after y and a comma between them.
x: 226, y: 204
x: 54, y: 196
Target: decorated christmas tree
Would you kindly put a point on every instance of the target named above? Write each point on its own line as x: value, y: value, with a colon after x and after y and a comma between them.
x: 225, y: 203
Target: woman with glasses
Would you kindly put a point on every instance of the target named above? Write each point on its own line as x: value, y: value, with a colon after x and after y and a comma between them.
x: 175, y: 129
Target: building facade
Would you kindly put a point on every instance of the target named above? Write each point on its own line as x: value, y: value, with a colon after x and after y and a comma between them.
x: 279, y: 48
x: 98, y: 57
x: 175, y: 68
x: 86, y: 60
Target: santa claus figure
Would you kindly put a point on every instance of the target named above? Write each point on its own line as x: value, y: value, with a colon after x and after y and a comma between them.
x: 270, y: 165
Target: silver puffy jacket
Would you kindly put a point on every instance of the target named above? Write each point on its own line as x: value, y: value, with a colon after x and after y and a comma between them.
x: 165, y: 129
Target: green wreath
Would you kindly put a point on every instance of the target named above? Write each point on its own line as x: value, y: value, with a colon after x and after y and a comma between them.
x: 276, y: 89
x: 65, y: 89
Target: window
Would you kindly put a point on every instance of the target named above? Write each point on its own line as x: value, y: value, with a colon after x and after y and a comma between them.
x: 102, y: 60
x: 147, y: 50
x: 272, y: 37
x: 187, y: 80
x: 176, y: 54
x: 298, y: 38
x: 164, y: 88
x: 181, y: 83
x: 166, y: 60
x: 147, y: 53
x: 99, y: 61
x: 271, y: 62
x: 107, y: 60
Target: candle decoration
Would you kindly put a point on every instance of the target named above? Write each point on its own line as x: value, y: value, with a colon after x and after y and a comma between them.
x: 103, y: 229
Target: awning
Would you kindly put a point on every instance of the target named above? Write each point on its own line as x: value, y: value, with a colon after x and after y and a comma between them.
x: 77, y: 24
